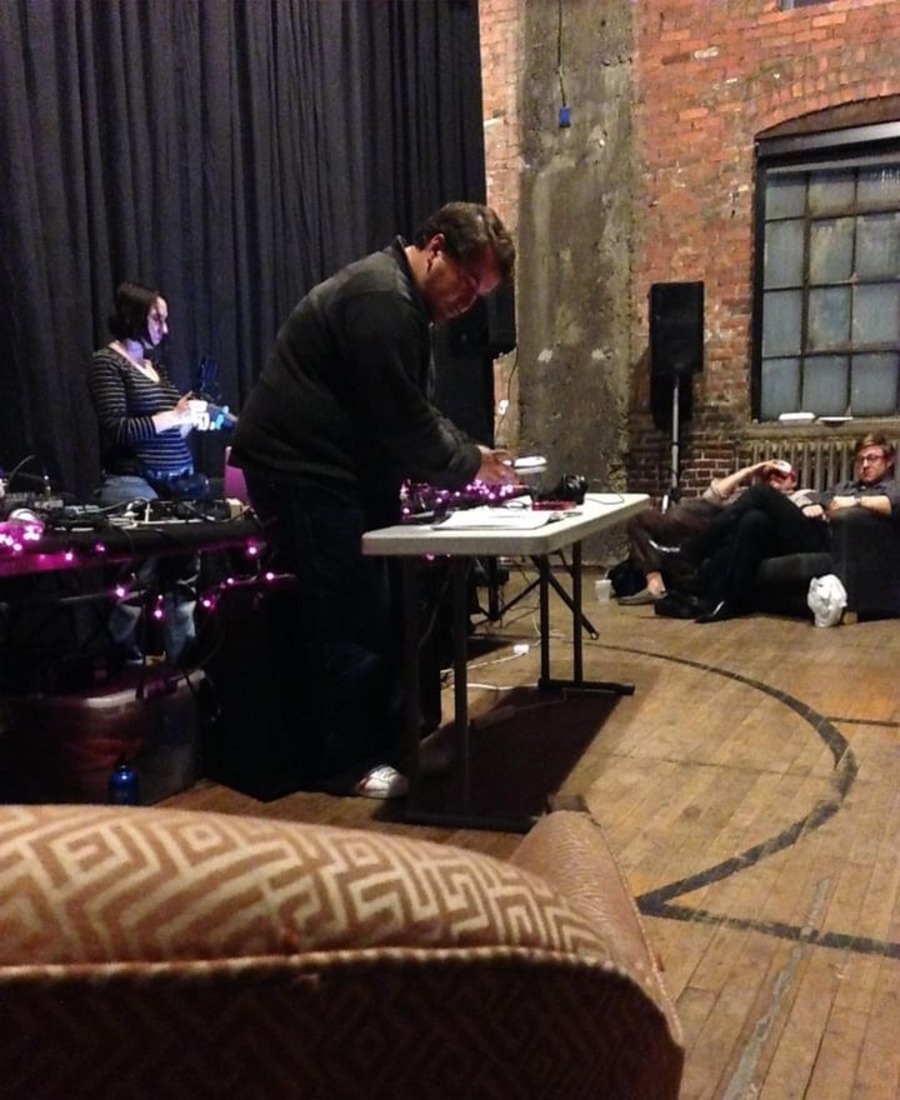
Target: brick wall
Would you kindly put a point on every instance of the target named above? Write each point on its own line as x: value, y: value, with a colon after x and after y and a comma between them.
x: 710, y: 77
x: 708, y: 87
x: 501, y: 27
x: 500, y: 24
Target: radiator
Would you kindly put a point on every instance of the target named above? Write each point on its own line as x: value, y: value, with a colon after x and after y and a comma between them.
x: 819, y: 463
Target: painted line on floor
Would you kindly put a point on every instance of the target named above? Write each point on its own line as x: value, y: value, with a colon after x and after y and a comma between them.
x: 659, y: 902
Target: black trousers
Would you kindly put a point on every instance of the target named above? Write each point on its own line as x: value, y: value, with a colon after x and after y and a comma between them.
x: 763, y: 523
x: 349, y: 625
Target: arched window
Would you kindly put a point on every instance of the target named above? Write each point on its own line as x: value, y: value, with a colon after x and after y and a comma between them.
x: 827, y: 273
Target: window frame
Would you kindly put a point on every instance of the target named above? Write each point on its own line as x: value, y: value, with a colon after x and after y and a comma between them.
x: 848, y: 146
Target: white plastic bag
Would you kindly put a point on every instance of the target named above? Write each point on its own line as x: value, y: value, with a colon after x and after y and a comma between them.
x: 827, y: 599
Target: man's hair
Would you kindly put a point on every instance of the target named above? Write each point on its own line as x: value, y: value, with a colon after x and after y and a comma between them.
x: 468, y: 228
x: 131, y: 306
x: 875, y: 439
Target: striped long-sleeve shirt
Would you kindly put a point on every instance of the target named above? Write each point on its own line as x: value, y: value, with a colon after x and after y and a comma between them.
x: 125, y: 400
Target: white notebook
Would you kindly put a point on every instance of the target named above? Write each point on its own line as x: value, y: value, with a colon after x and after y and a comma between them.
x: 496, y: 519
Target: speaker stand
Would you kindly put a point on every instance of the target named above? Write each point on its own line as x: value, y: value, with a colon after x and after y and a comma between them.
x: 674, y: 492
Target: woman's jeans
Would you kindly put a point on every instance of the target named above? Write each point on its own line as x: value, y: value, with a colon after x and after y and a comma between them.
x: 349, y: 667
x: 175, y: 578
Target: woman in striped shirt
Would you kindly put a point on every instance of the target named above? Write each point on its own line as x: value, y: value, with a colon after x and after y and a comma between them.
x: 144, y: 423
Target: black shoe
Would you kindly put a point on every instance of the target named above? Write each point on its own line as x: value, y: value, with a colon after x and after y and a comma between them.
x: 677, y: 606
x: 723, y: 610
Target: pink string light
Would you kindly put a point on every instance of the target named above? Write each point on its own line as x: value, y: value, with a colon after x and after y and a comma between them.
x: 20, y: 539
x: 416, y: 497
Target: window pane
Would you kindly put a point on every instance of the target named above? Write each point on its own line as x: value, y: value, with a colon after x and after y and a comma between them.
x: 825, y: 385
x: 785, y: 196
x: 876, y: 314
x: 780, y: 388
x: 830, y: 293
x: 873, y: 386
x: 831, y: 250
x: 784, y: 254
x: 781, y: 322
x: 879, y: 186
x: 829, y: 318
x: 878, y: 245
x: 831, y: 192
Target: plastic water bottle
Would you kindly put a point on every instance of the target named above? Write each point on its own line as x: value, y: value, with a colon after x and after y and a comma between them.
x: 123, y: 785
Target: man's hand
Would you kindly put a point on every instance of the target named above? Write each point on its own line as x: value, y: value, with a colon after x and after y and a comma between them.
x: 871, y: 502
x: 496, y: 466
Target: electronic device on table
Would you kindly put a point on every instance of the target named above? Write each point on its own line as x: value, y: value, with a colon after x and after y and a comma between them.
x: 207, y: 389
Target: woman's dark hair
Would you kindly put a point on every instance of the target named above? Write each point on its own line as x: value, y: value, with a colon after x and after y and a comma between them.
x: 131, y: 307
x: 468, y: 228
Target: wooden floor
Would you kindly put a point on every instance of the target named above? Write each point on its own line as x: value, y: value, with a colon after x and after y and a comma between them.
x: 750, y: 788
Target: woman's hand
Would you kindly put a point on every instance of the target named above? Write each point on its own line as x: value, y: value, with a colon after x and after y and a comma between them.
x: 182, y: 416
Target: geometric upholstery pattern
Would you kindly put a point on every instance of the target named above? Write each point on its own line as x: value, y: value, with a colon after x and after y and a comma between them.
x: 166, y: 953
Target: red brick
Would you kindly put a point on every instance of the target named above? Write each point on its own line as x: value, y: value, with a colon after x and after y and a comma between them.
x: 696, y: 121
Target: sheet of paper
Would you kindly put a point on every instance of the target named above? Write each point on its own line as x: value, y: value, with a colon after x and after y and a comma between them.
x: 497, y: 519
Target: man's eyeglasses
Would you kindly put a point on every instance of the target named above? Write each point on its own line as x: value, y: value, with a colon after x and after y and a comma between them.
x: 864, y: 460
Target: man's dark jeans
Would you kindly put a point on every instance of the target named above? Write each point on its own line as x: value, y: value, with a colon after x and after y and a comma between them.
x: 762, y: 523
x: 349, y: 670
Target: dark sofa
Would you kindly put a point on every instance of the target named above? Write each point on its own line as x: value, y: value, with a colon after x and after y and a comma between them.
x: 865, y: 554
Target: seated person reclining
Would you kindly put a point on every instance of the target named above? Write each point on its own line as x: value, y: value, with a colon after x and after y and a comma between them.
x: 657, y: 537
x: 762, y: 525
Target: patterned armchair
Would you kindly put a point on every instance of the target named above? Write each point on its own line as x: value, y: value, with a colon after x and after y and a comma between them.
x: 164, y: 953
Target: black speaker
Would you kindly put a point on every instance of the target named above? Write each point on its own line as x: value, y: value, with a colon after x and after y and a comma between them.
x: 253, y: 739
x: 464, y: 376
x: 501, y: 319
x: 676, y: 329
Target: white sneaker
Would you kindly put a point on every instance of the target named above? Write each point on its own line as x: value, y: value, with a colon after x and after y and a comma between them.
x: 382, y: 781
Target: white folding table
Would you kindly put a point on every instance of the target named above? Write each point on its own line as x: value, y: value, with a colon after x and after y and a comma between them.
x: 462, y: 538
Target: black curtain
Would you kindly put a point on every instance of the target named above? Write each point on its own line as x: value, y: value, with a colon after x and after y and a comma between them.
x: 232, y: 152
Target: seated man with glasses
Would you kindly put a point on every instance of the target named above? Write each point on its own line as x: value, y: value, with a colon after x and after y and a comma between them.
x: 873, y: 487
x: 763, y: 523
